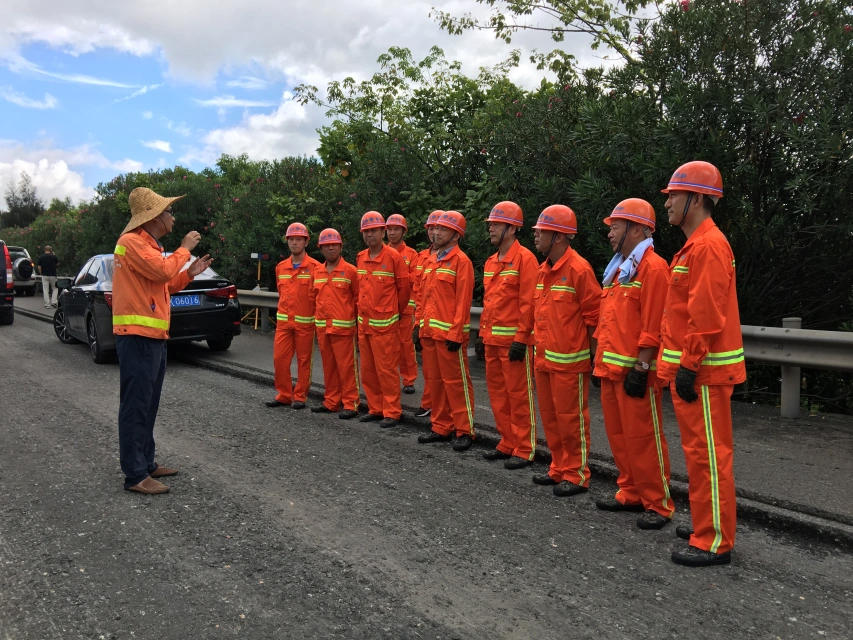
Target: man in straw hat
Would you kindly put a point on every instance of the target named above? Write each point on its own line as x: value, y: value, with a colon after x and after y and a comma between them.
x: 142, y: 283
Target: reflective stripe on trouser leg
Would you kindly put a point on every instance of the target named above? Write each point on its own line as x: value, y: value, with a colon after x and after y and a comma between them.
x: 331, y: 374
x: 510, y: 387
x: 345, y: 355
x: 369, y: 378
x: 441, y: 417
x: 380, y: 354
x: 496, y: 383
x: 569, y: 417
x: 304, y: 363
x: 283, y: 349
x: 548, y: 413
x: 408, y: 362
x: 706, y: 435
x: 615, y: 429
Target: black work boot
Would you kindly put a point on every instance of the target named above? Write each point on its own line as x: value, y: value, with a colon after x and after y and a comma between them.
x: 612, y: 504
x: 321, y: 409
x: 652, y: 520
x: 544, y: 479
x: 347, y: 414
x: 432, y: 436
x: 566, y: 489
x: 370, y: 417
x: 683, y: 531
x: 494, y: 454
x: 463, y: 443
x: 516, y: 463
x: 696, y: 557
x: 388, y: 422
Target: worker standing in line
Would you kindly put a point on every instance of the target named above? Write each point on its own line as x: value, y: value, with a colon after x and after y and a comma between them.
x: 506, y: 333
x: 383, y: 297
x: 422, y: 269
x: 567, y: 302
x: 628, y: 337
x: 294, y: 332
x: 703, y: 360
x: 396, y: 228
x: 336, y: 289
x: 444, y: 335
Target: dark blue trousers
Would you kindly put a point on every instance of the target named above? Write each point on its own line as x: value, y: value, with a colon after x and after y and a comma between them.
x: 142, y: 366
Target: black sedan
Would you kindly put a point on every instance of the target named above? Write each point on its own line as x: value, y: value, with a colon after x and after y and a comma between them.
x: 207, y: 309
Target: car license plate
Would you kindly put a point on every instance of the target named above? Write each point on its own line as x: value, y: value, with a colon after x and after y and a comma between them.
x: 186, y: 301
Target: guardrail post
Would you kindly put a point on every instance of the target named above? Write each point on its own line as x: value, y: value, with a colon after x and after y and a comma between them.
x: 265, y: 320
x: 791, y: 378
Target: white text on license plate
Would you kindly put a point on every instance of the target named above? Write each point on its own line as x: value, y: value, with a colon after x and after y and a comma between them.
x: 186, y: 301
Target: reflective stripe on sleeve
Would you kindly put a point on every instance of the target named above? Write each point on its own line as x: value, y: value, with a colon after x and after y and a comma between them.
x: 140, y: 321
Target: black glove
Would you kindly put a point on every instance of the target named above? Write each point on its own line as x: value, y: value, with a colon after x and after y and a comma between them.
x: 636, y: 383
x: 684, y: 381
x: 453, y: 346
x: 595, y: 380
x: 517, y: 351
x: 480, y: 349
x: 416, y: 338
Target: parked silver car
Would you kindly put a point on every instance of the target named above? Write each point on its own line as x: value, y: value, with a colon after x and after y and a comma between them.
x: 23, y: 271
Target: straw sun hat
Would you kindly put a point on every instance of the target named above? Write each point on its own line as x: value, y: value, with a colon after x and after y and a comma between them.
x: 145, y: 205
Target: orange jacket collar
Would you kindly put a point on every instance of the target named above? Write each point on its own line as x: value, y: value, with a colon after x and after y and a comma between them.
x: 701, y: 230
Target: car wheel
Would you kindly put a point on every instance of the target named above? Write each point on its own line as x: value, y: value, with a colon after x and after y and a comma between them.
x: 219, y: 345
x: 98, y: 354
x: 8, y: 317
x: 60, y: 327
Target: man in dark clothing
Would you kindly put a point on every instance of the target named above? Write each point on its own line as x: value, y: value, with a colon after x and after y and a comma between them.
x: 47, y: 264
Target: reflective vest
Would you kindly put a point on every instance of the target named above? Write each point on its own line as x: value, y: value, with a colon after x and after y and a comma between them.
x: 509, y: 285
x: 701, y: 321
x: 296, y: 294
x: 337, y: 295
x: 447, y: 297
x: 410, y: 256
x: 567, y: 301
x: 143, y: 280
x: 383, y: 290
x: 630, y: 319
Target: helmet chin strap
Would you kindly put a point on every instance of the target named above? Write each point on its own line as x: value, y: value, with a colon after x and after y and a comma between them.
x: 163, y: 223
x: 686, y: 207
x: 624, y: 235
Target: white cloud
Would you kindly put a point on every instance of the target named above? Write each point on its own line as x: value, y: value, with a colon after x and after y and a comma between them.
x: 225, y: 102
x: 20, y: 65
x: 182, y: 129
x: 51, y: 179
x: 249, y: 83
x: 147, y: 114
x: 140, y: 92
x: 10, y: 95
x: 158, y: 145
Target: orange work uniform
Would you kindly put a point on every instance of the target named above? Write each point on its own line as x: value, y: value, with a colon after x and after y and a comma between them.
x: 142, y: 283
x: 630, y: 321
x: 567, y: 302
x: 383, y: 296
x: 294, y: 333
x: 408, y: 362
x: 418, y: 289
x: 510, y: 284
x: 337, y: 294
x: 701, y: 331
x: 447, y: 316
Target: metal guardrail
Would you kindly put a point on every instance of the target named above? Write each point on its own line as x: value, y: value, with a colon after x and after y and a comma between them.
x: 788, y: 346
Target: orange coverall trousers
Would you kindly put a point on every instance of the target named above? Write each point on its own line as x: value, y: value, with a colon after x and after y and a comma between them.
x: 565, y: 418
x: 340, y: 371
x: 451, y: 390
x: 380, y: 355
x: 510, y: 386
x: 706, y: 436
x: 634, y: 430
x: 408, y: 363
x: 288, y: 342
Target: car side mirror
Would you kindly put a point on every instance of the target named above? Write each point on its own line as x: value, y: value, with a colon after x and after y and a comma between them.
x: 64, y: 283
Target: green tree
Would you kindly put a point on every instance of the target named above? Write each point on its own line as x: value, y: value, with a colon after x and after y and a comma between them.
x: 22, y: 202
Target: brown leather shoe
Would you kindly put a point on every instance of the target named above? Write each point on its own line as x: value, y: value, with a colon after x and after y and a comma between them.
x: 162, y: 472
x: 150, y: 486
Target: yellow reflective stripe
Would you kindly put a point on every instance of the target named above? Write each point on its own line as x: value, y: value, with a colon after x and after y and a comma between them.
x: 582, y: 466
x: 362, y: 271
x: 562, y: 287
x: 712, y: 468
x: 421, y: 324
x: 120, y: 250
x: 466, y: 327
x: 661, y: 464
x: 488, y: 274
x: 304, y: 319
x: 608, y: 286
x: 680, y: 269
x: 540, y: 286
x: 504, y: 331
x: 303, y: 275
x: 344, y: 280
x: 635, y: 284
x: 140, y: 321
x: 384, y: 323
x: 428, y: 271
x: 320, y: 280
x: 287, y: 276
x: 566, y: 358
x: 672, y: 357
x: 510, y: 272
x: 346, y: 324
x: 618, y: 359
x: 467, y: 395
x: 281, y: 316
x: 390, y: 274
x: 439, y: 324
x: 530, y: 406
x: 449, y: 272
x: 320, y: 323
x: 419, y: 267
x: 411, y: 303
x: 711, y: 359
x: 357, y: 381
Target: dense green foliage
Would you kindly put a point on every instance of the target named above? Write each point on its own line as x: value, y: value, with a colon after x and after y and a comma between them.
x: 764, y: 90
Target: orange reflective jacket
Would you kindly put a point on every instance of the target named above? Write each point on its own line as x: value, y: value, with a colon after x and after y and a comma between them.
x: 383, y: 290
x: 630, y: 319
x: 420, y: 282
x: 410, y: 256
x: 142, y: 281
x: 337, y: 295
x: 448, y: 296
x: 509, y: 286
x: 296, y: 294
x: 567, y: 301
x: 701, y: 321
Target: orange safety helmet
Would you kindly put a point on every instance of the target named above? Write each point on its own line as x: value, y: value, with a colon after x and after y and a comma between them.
x: 635, y: 210
x: 371, y: 220
x: 453, y: 220
x: 329, y: 236
x: 397, y: 220
x: 433, y: 218
x: 559, y: 218
x: 697, y: 176
x: 297, y: 229
x: 507, y: 212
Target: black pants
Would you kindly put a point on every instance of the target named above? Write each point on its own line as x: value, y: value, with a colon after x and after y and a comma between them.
x: 142, y: 366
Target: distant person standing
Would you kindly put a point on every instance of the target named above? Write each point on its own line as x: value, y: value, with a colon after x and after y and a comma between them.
x: 47, y: 264
x: 143, y: 280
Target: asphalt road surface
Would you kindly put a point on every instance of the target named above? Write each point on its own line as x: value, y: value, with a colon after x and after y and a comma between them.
x: 287, y: 524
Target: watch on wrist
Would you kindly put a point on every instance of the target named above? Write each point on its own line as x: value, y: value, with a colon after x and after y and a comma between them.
x: 643, y: 365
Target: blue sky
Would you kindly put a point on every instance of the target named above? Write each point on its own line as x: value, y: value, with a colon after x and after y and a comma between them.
x: 89, y: 90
